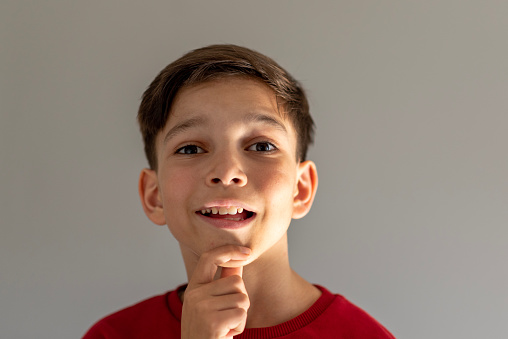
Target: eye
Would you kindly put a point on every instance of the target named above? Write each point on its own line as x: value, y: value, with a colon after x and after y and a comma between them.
x: 262, y: 147
x: 190, y: 149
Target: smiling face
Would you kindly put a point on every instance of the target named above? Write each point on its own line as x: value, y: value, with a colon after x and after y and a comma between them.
x: 227, y: 169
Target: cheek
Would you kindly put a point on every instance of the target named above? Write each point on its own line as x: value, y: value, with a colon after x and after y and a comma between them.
x: 278, y: 186
x: 178, y: 185
x: 175, y: 193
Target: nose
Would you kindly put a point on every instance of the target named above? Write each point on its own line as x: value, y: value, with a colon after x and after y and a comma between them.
x: 226, y: 171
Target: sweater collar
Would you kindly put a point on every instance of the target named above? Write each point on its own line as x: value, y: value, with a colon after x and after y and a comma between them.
x: 300, y: 321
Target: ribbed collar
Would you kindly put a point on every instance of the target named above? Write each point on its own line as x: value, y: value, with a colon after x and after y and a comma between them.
x: 300, y: 321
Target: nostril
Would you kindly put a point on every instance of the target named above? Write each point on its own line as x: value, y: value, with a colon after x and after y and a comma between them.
x: 236, y: 181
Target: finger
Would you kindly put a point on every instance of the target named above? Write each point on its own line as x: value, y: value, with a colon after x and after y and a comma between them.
x: 229, y: 271
x: 233, y: 320
x: 229, y: 285
x: 231, y: 301
x: 208, y: 263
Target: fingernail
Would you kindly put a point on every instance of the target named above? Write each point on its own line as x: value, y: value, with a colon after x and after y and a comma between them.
x: 245, y: 250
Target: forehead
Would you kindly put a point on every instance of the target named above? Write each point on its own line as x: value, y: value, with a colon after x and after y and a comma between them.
x: 226, y: 92
x: 228, y: 98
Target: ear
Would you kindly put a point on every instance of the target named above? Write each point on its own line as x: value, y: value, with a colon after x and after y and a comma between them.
x: 150, y: 196
x: 305, y: 190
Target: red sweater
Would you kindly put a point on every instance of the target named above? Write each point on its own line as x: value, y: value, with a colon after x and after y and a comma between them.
x: 331, y: 316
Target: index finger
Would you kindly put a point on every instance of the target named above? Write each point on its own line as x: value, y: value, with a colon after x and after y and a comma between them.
x: 229, y: 271
x: 229, y: 256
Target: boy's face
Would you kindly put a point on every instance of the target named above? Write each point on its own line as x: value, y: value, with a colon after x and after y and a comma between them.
x: 224, y: 148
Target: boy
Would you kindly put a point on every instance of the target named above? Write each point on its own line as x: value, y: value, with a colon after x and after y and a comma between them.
x: 226, y: 132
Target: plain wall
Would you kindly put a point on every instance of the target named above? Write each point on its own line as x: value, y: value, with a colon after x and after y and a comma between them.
x: 410, y: 100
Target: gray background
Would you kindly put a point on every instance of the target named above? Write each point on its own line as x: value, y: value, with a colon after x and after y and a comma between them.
x: 410, y: 100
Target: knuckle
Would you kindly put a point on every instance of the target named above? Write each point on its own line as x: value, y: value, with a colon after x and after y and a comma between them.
x: 242, y: 301
x: 239, y: 313
x: 245, y: 301
x: 236, y: 281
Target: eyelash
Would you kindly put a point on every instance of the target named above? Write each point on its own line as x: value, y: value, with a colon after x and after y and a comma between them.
x: 181, y: 150
x: 272, y: 147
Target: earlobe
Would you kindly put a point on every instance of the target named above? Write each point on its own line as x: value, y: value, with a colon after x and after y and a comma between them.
x: 150, y: 197
x: 305, y: 190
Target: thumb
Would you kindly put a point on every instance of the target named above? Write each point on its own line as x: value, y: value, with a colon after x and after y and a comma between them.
x: 229, y: 271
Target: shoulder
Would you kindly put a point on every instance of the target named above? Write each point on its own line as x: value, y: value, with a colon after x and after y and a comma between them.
x: 351, y: 320
x: 145, y: 319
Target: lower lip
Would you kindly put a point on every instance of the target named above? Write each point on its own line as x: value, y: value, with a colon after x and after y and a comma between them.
x: 226, y: 224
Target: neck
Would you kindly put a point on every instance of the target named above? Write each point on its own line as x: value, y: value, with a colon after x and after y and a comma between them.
x: 276, y: 293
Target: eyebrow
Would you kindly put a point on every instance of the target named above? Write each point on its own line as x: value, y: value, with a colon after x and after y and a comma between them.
x: 258, y: 117
x: 183, y: 126
x: 199, y: 121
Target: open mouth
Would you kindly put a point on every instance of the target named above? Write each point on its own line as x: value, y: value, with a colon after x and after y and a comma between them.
x: 227, y: 213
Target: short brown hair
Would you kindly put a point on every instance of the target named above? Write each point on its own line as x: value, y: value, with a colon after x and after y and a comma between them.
x: 212, y: 62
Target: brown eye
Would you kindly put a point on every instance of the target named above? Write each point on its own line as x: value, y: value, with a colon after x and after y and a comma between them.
x: 190, y: 149
x: 262, y: 147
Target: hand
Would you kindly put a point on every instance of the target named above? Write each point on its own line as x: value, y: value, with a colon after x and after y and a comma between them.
x: 216, y: 308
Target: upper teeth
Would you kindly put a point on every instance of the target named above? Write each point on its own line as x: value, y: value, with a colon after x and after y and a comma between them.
x: 223, y: 210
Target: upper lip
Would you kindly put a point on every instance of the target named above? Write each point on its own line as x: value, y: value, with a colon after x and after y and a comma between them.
x: 226, y: 203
